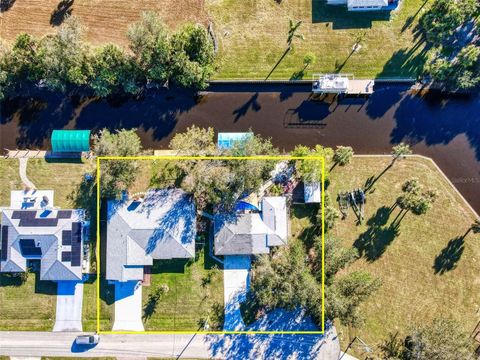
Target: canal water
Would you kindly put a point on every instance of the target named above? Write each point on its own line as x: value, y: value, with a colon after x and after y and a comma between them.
x: 445, y: 128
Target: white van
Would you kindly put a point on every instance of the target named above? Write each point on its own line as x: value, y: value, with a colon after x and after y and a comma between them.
x: 87, y: 339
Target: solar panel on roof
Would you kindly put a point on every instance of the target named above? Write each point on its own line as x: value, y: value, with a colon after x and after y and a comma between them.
x: 66, y: 237
x: 66, y: 256
x: 76, y: 258
x: 23, y: 214
x: 28, y: 248
x: 34, y: 222
x: 64, y: 214
x: 4, y: 242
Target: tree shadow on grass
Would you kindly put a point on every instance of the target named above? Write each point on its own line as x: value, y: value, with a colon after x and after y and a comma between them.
x: 64, y: 9
x: 151, y: 306
x: 373, y: 179
x: 449, y: 256
x: 6, y: 5
x: 373, y: 243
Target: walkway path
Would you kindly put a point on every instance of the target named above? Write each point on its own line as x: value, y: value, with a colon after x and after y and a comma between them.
x: 69, y: 306
x: 236, y: 281
x: 23, y: 173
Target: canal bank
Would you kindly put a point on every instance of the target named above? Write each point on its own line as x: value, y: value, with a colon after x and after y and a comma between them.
x: 444, y: 128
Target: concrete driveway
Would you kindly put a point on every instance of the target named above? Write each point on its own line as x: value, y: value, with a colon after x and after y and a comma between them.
x: 128, y: 306
x: 236, y: 281
x: 69, y: 306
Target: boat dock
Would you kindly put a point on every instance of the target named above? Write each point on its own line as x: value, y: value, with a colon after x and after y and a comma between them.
x: 341, y: 84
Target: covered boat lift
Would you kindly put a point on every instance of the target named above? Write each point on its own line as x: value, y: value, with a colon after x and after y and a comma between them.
x: 70, y: 141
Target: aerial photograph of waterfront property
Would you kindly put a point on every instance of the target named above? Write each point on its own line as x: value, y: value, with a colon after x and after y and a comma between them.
x: 227, y: 179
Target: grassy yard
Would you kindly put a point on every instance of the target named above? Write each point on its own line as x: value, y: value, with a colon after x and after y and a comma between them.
x: 428, y: 268
x: 106, y: 20
x: 195, y: 292
x: 37, y: 298
x: 28, y: 306
x: 107, y: 297
x: 253, y: 33
x: 61, y: 176
x: 9, y: 180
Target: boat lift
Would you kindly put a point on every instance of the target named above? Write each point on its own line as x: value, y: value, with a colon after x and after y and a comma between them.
x: 354, y: 199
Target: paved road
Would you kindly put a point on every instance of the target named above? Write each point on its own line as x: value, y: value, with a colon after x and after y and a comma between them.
x: 172, y: 346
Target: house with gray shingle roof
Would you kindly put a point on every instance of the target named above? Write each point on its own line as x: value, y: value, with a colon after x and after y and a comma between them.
x: 250, y: 233
x: 53, y: 236
x: 160, y: 226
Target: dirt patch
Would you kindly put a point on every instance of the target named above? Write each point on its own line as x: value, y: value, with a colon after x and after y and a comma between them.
x: 106, y: 20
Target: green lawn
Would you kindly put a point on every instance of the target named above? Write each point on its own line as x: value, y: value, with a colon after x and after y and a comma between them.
x: 428, y: 269
x: 9, y: 179
x: 62, y: 177
x: 90, y: 305
x: 28, y: 306
x: 252, y: 37
x: 195, y: 292
x: 37, y: 298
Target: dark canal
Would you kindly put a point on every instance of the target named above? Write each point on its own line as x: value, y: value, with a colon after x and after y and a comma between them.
x: 446, y: 129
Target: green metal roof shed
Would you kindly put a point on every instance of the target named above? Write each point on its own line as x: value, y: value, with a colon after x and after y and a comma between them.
x: 70, y: 140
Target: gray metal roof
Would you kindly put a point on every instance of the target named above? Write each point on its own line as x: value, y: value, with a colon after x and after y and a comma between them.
x: 252, y: 233
x: 47, y: 238
x: 162, y: 226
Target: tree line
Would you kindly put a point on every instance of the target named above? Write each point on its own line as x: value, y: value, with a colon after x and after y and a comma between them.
x: 64, y: 61
x: 450, y: 29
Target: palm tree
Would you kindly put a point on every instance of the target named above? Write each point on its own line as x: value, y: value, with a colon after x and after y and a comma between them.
x: 342, y: 156
x: 399, y: 151
x: 293, y: 27
x: 475, y: 228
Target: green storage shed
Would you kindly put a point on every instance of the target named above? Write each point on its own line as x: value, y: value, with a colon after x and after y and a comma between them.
x: 70, y: 141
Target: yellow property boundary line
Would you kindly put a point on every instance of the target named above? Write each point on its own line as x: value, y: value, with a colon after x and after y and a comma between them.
x: 233, y: 158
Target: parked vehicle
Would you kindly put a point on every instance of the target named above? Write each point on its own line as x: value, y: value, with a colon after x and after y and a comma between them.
x: 87, y: 339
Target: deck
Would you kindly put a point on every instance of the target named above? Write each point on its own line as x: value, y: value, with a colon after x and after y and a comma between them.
x: 341, y: 84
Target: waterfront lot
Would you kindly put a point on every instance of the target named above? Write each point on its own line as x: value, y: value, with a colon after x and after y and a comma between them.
x: 428, y: 268
x: 30, y: 304
x: 252, y: 34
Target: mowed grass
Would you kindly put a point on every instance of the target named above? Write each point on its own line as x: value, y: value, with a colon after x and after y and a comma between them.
x: 61, y: 176
x: 105, y: 20
x: 9, y: 179
x: 427, y: 269
x: 195, y: 289
x: 253, y: 34
x: 28, y: 306
x: 31, y: 305
x: 107, y: 298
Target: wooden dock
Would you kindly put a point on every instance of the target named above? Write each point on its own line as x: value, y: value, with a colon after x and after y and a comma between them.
x: 360, y: 87
x: 341, y: 84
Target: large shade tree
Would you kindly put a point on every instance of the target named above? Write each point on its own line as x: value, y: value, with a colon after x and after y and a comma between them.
x: 117, y: 175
